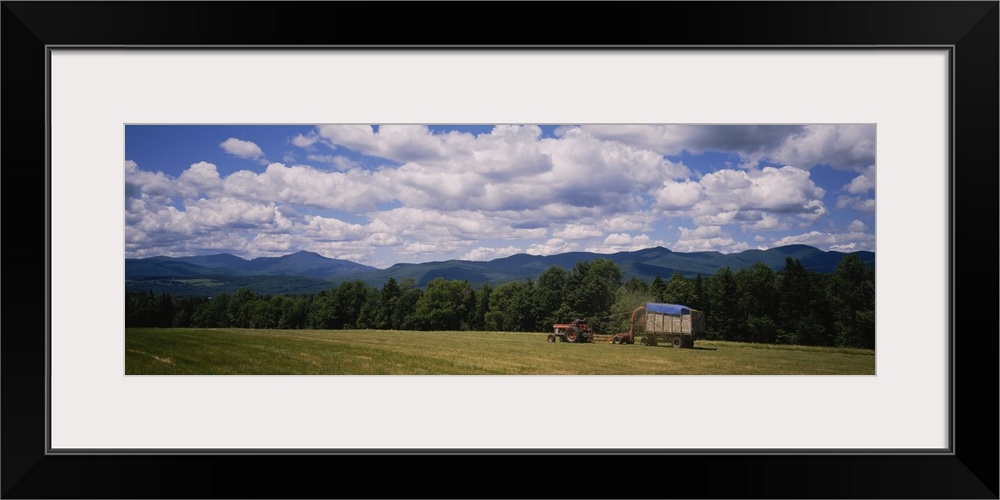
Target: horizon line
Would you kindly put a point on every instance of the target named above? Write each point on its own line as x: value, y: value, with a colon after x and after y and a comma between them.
x: 498, y: 258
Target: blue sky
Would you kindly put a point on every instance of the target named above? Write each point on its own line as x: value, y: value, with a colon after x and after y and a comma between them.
x: 384, y: 194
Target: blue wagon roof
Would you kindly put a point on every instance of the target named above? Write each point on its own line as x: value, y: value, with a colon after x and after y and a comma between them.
x: 674, y: 309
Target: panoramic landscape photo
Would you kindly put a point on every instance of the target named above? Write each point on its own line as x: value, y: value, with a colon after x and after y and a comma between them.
x: 403, y: 249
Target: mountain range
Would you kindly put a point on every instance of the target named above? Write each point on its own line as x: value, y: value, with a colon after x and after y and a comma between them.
x: 308, y: 264
x: 309, y: 272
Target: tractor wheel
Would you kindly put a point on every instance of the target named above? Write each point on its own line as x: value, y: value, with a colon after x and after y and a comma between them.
x: 572, y: 334
x: 616, y: 340
x: 551, y: 338
x: 644, y: 341
x: 676, y: 342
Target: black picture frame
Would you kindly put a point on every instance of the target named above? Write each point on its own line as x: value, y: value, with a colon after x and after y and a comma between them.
x: 969, y: 471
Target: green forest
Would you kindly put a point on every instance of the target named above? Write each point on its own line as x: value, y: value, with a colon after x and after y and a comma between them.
x: 755, y: 304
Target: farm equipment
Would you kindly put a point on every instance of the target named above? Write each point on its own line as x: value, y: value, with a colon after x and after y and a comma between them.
x: 654, y: 323
x: 575, y: 332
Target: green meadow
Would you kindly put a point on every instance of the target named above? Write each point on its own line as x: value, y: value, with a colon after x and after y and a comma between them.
x: 230, y: 351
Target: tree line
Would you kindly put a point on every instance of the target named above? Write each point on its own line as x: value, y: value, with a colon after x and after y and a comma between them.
x: 755, y: 304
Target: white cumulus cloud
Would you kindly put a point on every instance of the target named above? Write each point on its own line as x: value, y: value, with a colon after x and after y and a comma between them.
x: 637, y: 221
x: 139, y: 182
x: 765, y: 222
x: 510, y: 168
x: 840, y: 146
x: 853, y: 240
x: 551, y: 246
x: 785, y: 190
x: 273, y: 243
x: 862, y: 183
x: 242, y: 149
x: 622, y: 242
x: 857, y: 203
x: 216, y: 213
x: 483, y: 254
x: 678, y: 195
x: 201, y: 177
x: 401, y: 143
x: 576, y: 232
x: 485, y: 194
x: 707, y: 239
x: 304, y: 141
x: 843, y: 147
x: 304, y: 185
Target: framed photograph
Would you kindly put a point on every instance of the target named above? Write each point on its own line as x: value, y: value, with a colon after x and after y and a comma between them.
x: 854, y: 134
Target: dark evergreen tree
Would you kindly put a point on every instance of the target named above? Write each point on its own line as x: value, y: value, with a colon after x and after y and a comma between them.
x: 852, y: 297
x: 214, y: 313
x: 722, y: 314
x: 549, y: 301
x: 803, y: 308
x: 757, y: 304
x: 387, y: 299
x: 658, y: 288
x: 679, y: 290
x: 349, y: 300
x: 511, y: 308
x: 404, y: 314
x: 700, y: 297
x: 140, y: 309
x: 184, y: 310
x: 591, y: 290
x: 238, y: 311
x: 793, y: 306
x: 443, y: 305
x: 478, y: 322
x: 282, y: 308
x: 258, y: 313
x: 322, y: 313
x: 636, y: 285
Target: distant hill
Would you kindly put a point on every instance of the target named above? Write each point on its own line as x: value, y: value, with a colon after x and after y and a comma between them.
x: 303, y: 263
x: 308, y: 272
x: 645, y: 264
x: 211, y: 285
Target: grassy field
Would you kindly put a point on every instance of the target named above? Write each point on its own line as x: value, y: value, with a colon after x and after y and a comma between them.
x: 158, y: 351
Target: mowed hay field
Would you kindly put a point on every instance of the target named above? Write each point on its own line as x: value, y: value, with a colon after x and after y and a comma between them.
x: 165, y: 351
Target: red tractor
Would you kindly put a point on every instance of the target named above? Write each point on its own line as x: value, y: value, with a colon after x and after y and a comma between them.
x: 576, y: 332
